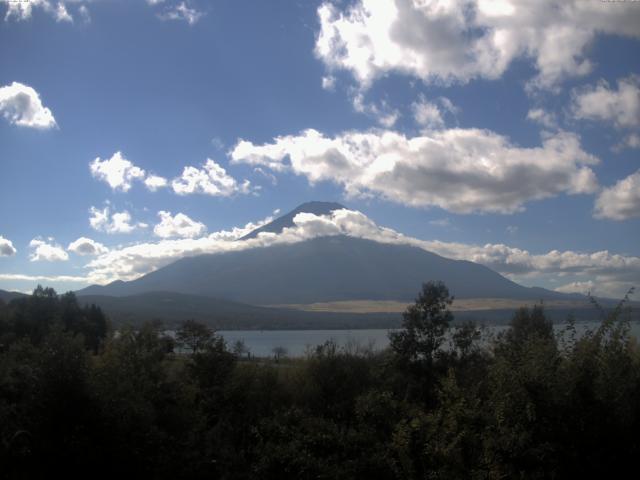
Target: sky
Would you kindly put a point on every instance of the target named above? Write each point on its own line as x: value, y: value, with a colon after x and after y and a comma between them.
x: 136, y: 132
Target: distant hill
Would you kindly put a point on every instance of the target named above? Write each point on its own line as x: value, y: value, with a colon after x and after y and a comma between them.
x: 8, y: 296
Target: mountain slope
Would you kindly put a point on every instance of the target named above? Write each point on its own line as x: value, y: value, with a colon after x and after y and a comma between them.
x: 280, y: 223
x: 6, y: 296
x: 320, y: 270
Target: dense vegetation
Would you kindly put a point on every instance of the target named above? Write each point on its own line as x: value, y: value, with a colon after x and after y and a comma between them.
x: 77, y: 399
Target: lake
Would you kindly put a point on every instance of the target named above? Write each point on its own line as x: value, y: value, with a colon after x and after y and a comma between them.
x: 296, y: 342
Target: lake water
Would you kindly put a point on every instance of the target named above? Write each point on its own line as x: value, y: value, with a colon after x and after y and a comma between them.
x: 297, y: 342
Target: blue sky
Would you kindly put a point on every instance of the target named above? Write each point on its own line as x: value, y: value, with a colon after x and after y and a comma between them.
x: 501, y: 132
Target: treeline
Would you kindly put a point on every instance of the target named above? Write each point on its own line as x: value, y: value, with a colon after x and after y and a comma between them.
x: 78, y: 400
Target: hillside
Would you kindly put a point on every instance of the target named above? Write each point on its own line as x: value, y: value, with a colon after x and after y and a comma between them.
x: 173, y: 308
x: 322, y: 269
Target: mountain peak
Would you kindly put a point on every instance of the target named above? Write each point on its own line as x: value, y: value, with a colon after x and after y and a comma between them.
x: 285, y: 221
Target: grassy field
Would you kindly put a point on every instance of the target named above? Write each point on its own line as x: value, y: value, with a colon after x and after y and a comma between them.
x: 459, y: 305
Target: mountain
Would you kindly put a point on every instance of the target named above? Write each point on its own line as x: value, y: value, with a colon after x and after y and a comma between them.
x: 322, y: 269
x: 279, y: 224
x: 8, y: 296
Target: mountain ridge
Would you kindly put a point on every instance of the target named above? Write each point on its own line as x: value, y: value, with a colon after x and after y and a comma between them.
x: 322, y: 269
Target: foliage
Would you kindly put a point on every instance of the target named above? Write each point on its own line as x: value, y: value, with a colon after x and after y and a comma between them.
x: 424, y: 325
x: 442, y: 402
x: 194, y: 336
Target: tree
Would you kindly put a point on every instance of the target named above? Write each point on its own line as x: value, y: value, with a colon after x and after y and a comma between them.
x: 529, y: 324
x: 194, y: 336
x: 279, y: 352
x: 240, y: 349
x: 424, y: 325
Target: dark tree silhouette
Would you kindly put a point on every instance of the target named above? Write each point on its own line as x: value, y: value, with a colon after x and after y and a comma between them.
x: 194, y: 336
x: 424, y: 325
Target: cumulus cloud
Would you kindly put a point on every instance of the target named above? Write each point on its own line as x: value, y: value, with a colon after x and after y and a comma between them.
x: 427, y: 114
x: 632, y: 141
x: 23, y: 9
x: 21, y: 105
x: 179, y: 225
x: 620, y: 201
x: 328, y: 82
x: 620, y: 107
x: 132, y: 261
x: 118, y: 222
x: 445, y: 42
x: 211, y: 179
x: 6, y: 247
x: 602, y: 288
x: 182, y: 12
x: 44, y: 251
x: 382, y: 112
x: 86, y: 246
x: 118, y: 172
x: 155, y: 182
x: 613, y: 273
x: 460, y: 170
x: 544, y: 118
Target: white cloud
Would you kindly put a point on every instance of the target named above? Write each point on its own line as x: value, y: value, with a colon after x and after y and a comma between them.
x: 21, y: 105
x: 118, y: 172
x: 211, y: 179
x: 181, y: 12
x: 460, y: 170
x: 6, y: 247
x: 328, y: 82
x: 602, y: 287
x: 59, y: 10
x: 445, y: 41
x: 23, y: 9
x: 61, y: 14
x: 621, y: 107
x: 49, y: 252
x: 132, y: 261
x: 633, y: 141
x: 427, y: 114
x: 269, y: 176
x: 86, y: 246
x: 620, y: 201
x: 544, y: 118
x: 383, y: 113
x: 155, y: 182
x: 42, y: 278
x: 179, y: 225
x: 119, y: 222
x: 578, y: 287
x: 84, y: 14
x: 449, y: 106
x: 612, y: 273
x: 441, y: 222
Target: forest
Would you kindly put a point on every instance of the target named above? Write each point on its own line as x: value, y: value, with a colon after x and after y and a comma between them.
x: 81, y: 398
